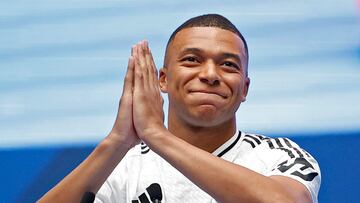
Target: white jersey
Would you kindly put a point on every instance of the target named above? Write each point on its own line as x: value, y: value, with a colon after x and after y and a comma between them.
x: 143, y: 174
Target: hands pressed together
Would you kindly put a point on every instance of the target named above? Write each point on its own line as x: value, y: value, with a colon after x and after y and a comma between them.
x: 140, y: 111
x: 140, y: 116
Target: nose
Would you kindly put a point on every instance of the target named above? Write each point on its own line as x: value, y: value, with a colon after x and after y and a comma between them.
x: 209, y: 74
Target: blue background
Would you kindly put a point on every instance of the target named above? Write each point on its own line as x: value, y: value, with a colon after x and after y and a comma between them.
x: 62, y: 66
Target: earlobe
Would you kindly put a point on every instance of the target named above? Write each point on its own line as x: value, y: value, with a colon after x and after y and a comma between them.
x: 163, y: 80
x: 246, y: 89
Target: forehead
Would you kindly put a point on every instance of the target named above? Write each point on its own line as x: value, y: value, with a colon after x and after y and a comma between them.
x: 210, y: 39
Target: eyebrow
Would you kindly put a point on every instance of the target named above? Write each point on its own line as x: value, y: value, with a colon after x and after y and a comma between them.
x: 190, y: 49
x: 231, y: 55
x: 223, y: 55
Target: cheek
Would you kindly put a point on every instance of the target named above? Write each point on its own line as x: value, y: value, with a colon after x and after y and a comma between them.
x: 181, y: 78
x: 236, y: 86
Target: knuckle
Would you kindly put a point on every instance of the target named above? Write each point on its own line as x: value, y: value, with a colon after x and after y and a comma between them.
x: 127, y: 78
x: 138, y: 73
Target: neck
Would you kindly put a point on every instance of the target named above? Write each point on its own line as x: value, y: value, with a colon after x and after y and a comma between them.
x: 206, y: 138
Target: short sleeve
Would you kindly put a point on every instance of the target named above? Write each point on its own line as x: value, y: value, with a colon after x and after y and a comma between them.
x: 297, y: 164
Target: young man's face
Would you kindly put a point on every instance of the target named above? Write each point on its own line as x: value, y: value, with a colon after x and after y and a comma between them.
x: 205, y: 76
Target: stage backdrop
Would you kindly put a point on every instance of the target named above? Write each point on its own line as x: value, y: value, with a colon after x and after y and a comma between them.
x: 62, y: 66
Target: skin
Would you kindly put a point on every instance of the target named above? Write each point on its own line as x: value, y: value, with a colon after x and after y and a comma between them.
x: 204, y: 76
x: 205, y: 86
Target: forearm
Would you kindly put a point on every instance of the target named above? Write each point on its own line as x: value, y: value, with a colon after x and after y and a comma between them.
x: 89, y: 175
x: 223, y: 180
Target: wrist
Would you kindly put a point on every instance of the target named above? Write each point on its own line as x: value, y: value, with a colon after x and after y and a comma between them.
x: 153, y: 135
x: 118, y: 142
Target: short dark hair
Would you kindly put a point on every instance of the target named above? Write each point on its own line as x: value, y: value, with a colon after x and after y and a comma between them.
x: 210, y: 20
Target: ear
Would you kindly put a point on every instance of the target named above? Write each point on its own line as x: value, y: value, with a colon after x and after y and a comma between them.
x: 163, y: 79
x: 246, y: 89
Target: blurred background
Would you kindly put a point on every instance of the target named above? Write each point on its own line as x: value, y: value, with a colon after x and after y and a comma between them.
x: 62, y: 65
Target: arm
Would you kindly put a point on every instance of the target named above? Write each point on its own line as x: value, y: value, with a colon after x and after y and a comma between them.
x: 224, y: 181
x: 93, y: 171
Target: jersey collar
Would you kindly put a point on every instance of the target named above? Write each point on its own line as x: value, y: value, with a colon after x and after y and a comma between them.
x: 228, y: 145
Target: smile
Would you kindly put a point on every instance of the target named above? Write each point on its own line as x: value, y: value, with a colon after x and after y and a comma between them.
x: 208, y: 92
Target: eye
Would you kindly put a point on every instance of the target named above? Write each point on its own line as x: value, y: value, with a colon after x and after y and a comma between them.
x: 231, y: 64
x: 189, y: 59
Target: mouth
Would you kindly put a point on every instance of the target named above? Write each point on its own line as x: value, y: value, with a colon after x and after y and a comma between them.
x: 209, y: 92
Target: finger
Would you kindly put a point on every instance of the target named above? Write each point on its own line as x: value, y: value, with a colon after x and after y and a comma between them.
x: 155, y: 71
x: 141, y: 54
x: 138, y: 74
x: 156, y: 77
x: 129, y: 77
x: 147, y: 64
x: 132, y: 50
x: 153, y: 74
x: 150, y: 63
x: 152, y: 70
x: 143, y: 64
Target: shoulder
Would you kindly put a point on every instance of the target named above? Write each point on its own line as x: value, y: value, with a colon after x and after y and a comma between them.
x: 284, y: 157
x: 281, y: 145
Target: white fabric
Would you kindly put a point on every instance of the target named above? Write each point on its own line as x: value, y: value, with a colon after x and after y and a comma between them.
x: 142, y: 167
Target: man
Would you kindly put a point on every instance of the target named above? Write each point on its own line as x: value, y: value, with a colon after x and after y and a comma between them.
x: 201, y: 157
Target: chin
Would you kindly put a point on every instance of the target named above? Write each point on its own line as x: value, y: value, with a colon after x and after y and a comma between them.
x: 205, y: 116
x: 205, y: 122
